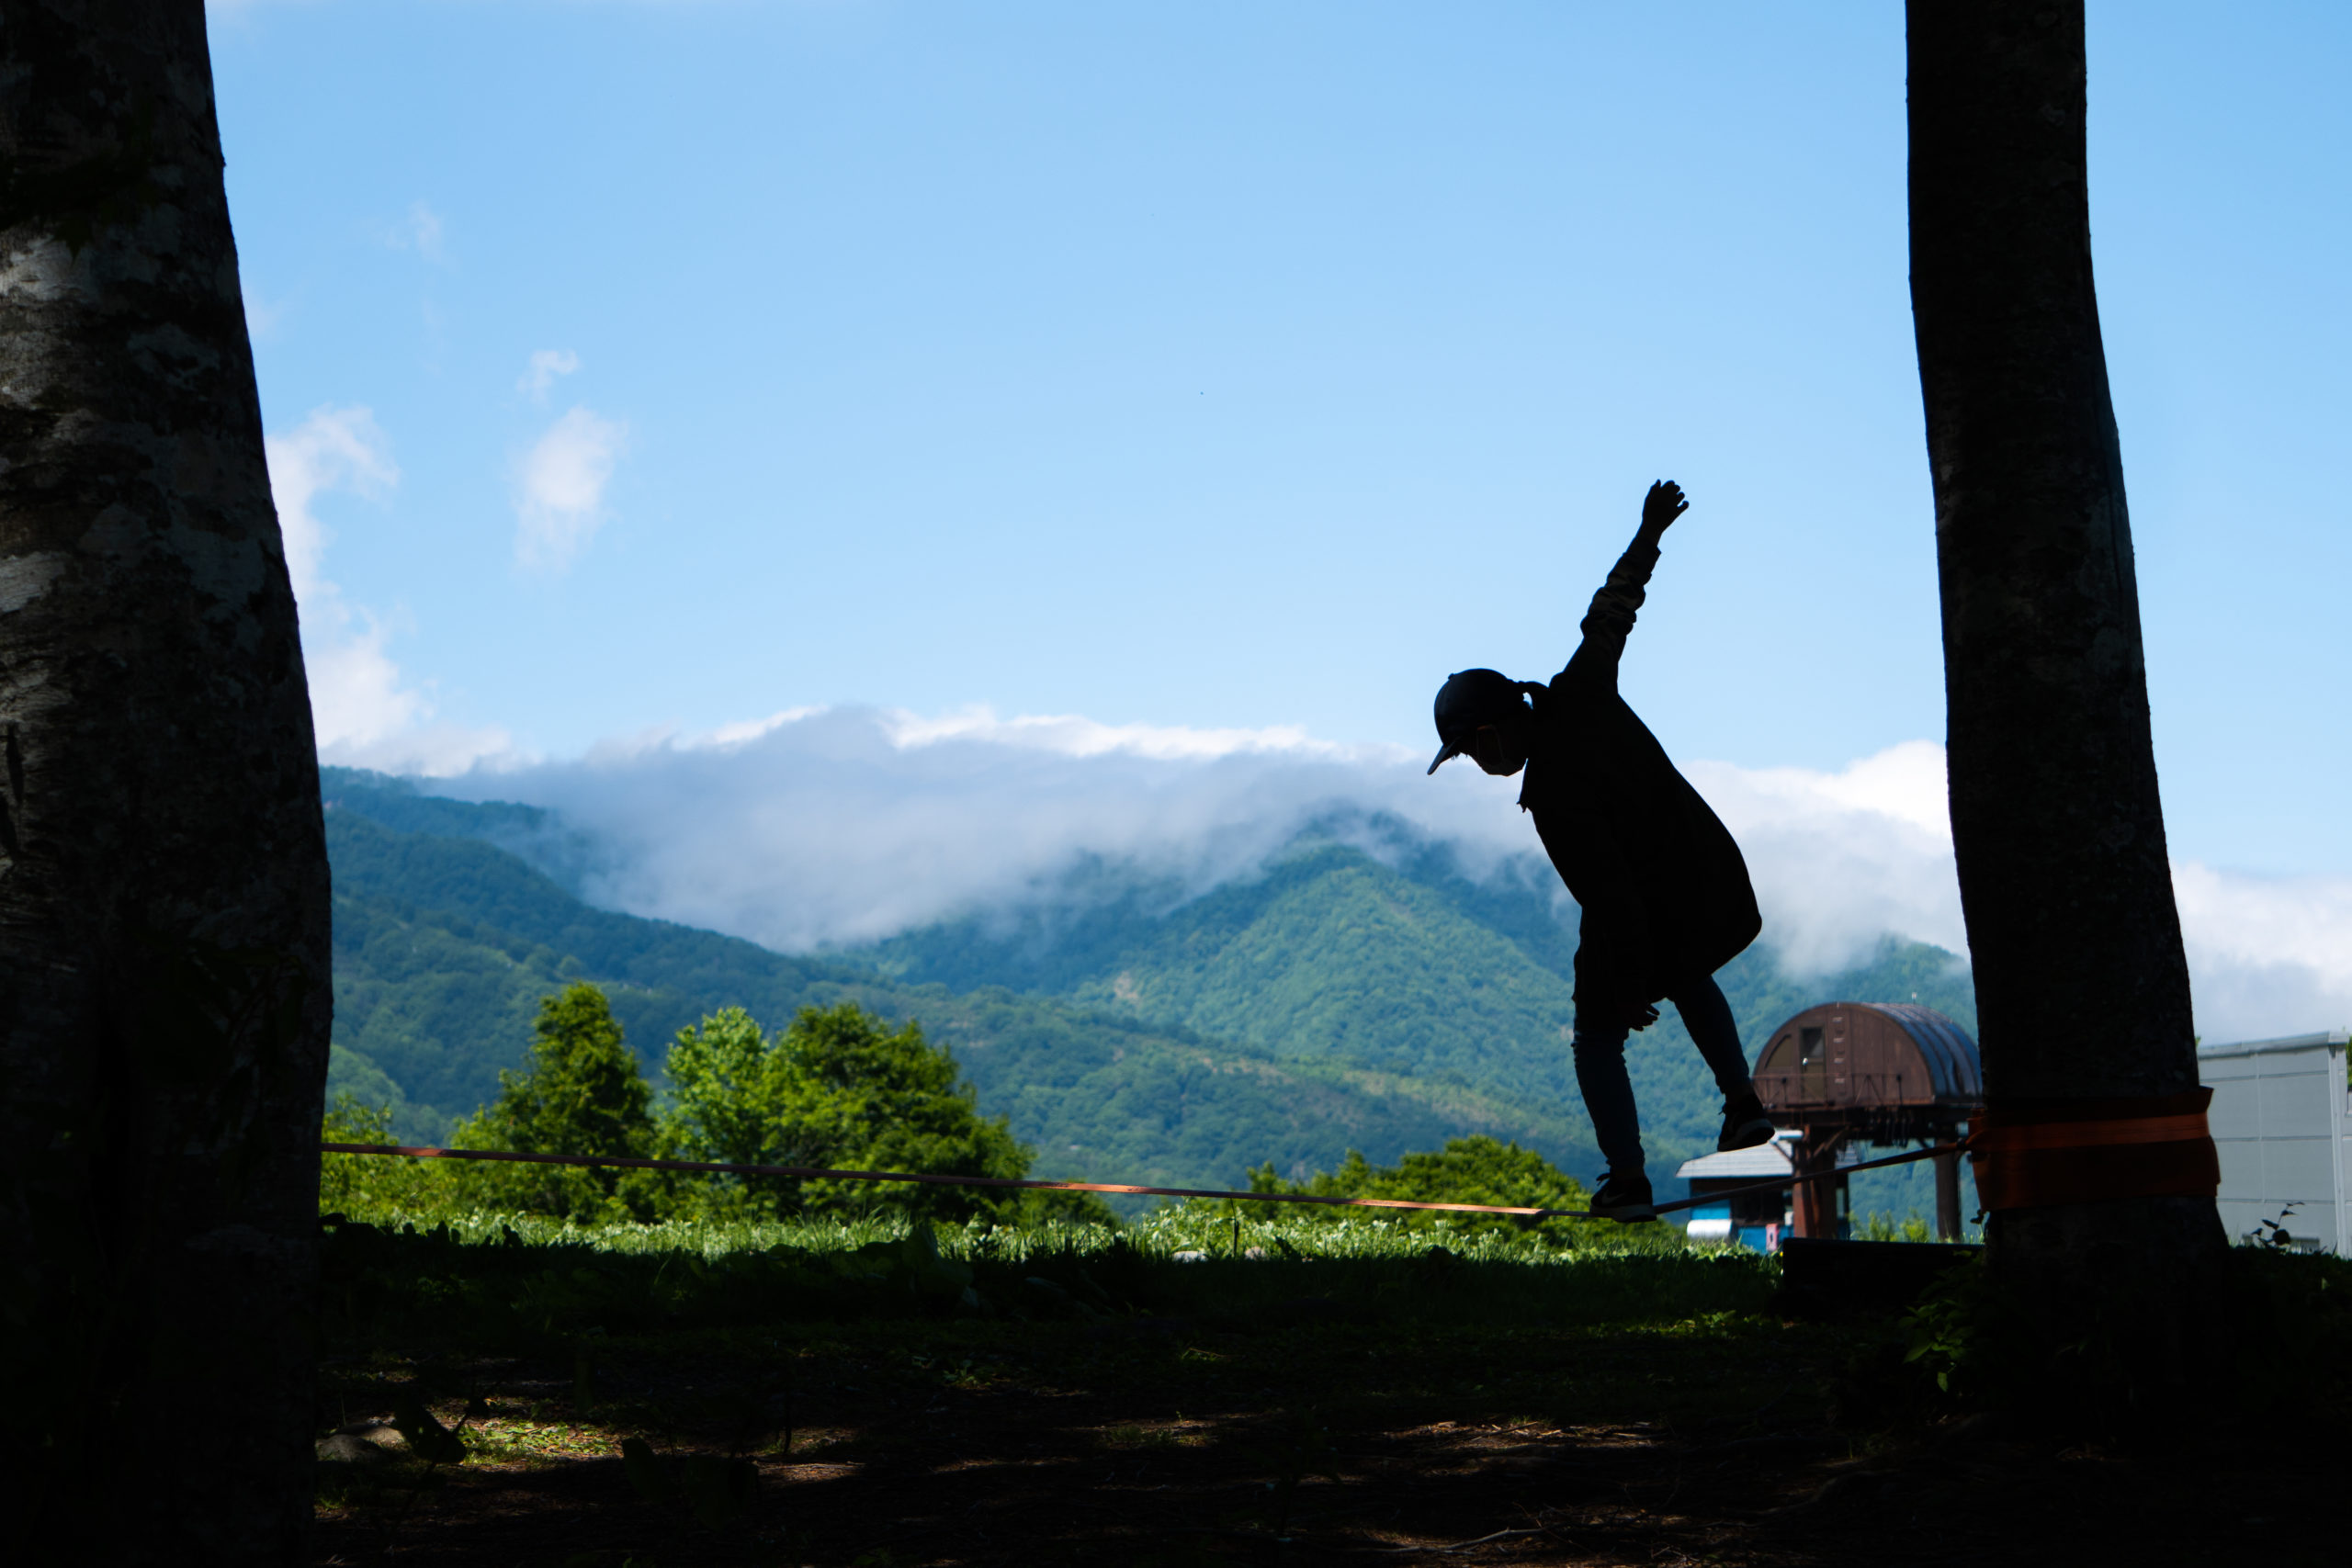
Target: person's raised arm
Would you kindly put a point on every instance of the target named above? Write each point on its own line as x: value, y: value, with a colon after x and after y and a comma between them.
x: 1611, y: 619
x: 1659, y: 509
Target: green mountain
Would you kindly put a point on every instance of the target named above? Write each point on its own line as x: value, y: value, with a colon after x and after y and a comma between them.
x: 444, y: 943
x: 1375, y: 950
x: 1361, y: 991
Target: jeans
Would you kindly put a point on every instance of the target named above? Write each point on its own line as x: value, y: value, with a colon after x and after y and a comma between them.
x: 1609, y: 1093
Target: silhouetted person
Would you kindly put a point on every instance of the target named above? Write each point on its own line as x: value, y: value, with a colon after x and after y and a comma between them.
x: 1665, y: 894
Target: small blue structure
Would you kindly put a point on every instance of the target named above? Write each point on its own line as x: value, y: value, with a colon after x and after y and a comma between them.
x: 1757, y: 1220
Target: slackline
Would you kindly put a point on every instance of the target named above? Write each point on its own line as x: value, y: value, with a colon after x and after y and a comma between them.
x: 807, y: 1172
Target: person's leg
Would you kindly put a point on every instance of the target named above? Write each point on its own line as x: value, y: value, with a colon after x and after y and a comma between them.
x: 1707, y: 1016
x: 1609, y: 1094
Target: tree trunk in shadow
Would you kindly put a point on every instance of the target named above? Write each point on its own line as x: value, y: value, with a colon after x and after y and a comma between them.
x: 2081, y: 984
x: 165, y: 993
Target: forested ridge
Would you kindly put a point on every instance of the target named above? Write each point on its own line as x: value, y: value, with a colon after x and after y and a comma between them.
x: 1360, y: 993
x: 444, y: 947
x: 1363, y: 945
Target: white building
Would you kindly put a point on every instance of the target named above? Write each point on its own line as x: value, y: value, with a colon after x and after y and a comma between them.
x: 2282, y: 1120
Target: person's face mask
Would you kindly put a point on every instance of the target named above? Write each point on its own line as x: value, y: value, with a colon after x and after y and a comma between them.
x: 1494, y: 753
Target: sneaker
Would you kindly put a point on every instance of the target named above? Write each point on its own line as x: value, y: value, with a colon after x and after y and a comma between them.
x: 1626, y: 1199
x: 1745, y: 1124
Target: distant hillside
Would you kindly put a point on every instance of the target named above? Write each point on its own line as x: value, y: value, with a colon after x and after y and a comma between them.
x: 443, y: 944
x: 1388, y: 958
x: 1361, y: 992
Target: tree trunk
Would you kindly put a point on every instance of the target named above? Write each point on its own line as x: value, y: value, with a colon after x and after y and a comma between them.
x: 2081, y: 985
x: 164, y: 946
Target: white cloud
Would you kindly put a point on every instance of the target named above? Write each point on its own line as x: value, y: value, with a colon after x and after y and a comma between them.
x: 753, y: 729
x: 262, y: 317
x: 559, y: 488
x: 332, y: 449
x: 2268, y: 955
x: 361, y: 710
x: 834, y: 825
x: 547, y: 365
x: 420, y: 230
x: 817, y: 826
x: 1905, y: 782
x: 1072, y: 736
x: 1840, y: 858
x: 838, y: 825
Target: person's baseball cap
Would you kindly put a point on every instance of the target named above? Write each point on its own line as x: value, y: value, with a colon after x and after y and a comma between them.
x: 1468, y: 699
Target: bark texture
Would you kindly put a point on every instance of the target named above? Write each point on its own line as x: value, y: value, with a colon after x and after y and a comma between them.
x: 164, y: 941
x: 2082, y: 986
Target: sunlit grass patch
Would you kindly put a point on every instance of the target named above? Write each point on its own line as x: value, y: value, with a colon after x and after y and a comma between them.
x: 519, y: 1283
x: 1132, y: 1436
x: 506, y: 1441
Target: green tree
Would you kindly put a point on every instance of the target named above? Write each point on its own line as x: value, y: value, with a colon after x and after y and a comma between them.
x: 583, y: 1094
x: 728, y: 1091
x: 841, y: 1090
x: 1467, y: 1170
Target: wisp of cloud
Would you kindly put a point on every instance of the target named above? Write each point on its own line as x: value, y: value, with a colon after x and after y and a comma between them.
x: 362, y: 711
x: 559, y: 488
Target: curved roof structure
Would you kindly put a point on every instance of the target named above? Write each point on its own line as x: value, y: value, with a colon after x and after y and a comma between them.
x: 1871, y: 1057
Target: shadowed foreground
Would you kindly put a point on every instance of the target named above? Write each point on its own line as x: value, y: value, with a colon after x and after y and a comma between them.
x: 1124, y: 1409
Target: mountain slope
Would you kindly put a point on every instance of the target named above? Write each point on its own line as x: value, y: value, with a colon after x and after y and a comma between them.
x: 444, y: 946
x: 1364, y: 990
x: 1387, y: 957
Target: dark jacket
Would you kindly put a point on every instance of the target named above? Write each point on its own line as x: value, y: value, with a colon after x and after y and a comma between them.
x: 1665, y: 893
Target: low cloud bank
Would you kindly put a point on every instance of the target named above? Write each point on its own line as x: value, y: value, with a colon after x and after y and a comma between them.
x: 845, y: 825
x: 842, y: 825
x: 1840, y: 859
x: 2269, y: 956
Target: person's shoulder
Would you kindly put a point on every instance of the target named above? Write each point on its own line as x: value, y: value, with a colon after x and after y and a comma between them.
x: 1585, y: 678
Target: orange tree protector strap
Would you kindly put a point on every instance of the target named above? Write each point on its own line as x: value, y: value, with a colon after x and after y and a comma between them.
x: 2032, y: 1154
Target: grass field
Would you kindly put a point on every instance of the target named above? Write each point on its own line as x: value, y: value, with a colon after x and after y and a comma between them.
x: 803, y: 1363
x: 509, y: 1281
x: 1200, y: 1386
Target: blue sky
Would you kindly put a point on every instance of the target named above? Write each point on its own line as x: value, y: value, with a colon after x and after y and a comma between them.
x: 666, y: 366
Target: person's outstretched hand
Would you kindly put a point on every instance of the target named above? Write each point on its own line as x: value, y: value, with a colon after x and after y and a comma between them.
x: 1661, y: 507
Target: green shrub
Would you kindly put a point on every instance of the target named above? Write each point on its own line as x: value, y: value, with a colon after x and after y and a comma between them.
x: 1467, y: 1170
x: 2282, y: 1348
x: 378, y: 1184
x: 2292, y: 1312
x: 1886, y: 1227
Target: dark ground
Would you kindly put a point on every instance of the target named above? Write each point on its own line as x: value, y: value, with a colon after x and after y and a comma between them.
x: 1322, y: 1439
